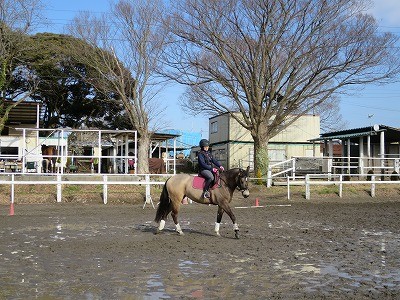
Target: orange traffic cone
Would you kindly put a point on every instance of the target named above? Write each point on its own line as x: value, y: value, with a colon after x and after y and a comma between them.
x: 11, y: 209
x: 257, y: 204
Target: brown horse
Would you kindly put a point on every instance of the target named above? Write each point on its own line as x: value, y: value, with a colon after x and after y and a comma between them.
x: 49, y: 154
x: 180, y: 186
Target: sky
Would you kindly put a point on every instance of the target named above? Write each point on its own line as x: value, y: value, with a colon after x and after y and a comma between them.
x: 373, y: 104
x: 377, y: 104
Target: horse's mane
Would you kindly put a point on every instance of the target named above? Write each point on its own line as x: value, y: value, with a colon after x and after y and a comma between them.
x: 232, y: 172
x: 230, y: 176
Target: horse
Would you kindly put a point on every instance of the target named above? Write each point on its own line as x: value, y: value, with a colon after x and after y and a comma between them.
x: 49, y: 154
x: 179, y: 186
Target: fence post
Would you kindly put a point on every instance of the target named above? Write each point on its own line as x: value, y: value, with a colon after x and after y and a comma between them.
x: 307, y: 179
x: 340, y: 185
x: 105, y: 189
x: 12, y: 194
x: 288, y: 187
x: 373, y: 186
x: 59, y: 188
x: 148, y: 195
x: 294, y: 167
x: 269, y: 177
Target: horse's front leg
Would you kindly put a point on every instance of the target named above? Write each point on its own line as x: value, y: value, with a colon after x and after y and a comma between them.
x: 225, y: 207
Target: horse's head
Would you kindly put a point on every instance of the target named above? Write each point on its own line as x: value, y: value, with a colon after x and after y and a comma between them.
x: 243, y: 183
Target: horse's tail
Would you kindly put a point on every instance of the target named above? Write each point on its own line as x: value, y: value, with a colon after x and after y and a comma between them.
x: 164, y: 207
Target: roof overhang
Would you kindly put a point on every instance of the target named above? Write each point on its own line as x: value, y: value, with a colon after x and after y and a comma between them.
x: 23, y: 113
x: 392, y: 135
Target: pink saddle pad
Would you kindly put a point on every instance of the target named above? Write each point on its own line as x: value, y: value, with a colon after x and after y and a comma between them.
x: 198, y: 183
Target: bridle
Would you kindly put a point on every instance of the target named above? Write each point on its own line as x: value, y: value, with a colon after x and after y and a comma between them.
x: 239, y: 179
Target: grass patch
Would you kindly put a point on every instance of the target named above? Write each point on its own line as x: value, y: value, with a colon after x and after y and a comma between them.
x: 69, y: 189
x: 327, y: 190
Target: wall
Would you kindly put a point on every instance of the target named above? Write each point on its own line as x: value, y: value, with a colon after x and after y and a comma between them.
x: 233, y: 145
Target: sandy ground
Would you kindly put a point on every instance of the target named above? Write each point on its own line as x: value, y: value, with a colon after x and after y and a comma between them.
x: 328, y: 247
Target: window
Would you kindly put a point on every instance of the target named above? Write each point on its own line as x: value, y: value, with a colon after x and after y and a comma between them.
x: 214, y: 127
x: 87, y: 151
x: 9, y: 150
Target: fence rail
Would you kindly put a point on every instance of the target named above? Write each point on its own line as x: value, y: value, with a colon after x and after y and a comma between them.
x: 88, y: 179
x: 337, y: 179
x: 284, y: 167
x: 333, y: 165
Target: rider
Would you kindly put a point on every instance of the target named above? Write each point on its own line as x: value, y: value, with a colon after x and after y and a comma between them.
x: 206, y: 169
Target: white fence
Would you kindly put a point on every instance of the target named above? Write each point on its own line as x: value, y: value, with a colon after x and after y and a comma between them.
x: 88, y: 179
x: 339, y: 180
x: 351, y: 166
x: 286, y: 168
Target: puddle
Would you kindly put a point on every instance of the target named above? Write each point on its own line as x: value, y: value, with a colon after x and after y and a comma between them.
x: 189, y: 268
x: 371, y: 270
x: 155, y: 288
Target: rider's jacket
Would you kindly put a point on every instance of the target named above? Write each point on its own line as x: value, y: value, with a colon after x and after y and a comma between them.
x: 206, y: 161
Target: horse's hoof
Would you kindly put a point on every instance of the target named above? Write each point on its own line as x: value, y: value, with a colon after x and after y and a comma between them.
x: 217, y: 234
x: 157, y: 231
x: 237, y: 234
x: 180, y: 233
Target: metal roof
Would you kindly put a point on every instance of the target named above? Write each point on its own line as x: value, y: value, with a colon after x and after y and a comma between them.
x: 344, y: 136
x: 392, y: 135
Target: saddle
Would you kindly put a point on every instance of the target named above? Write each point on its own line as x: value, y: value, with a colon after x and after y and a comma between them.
x: 198, y: 182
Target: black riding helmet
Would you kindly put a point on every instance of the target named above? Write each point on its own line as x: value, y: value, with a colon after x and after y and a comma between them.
x: 204, y: 143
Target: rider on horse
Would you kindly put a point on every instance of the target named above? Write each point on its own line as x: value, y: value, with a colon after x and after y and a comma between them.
x: 206, y: 169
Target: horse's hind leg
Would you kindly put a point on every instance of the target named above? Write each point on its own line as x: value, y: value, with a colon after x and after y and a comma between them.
x: 174, y: 215
x: 219, y: 218
x: 161, y: 226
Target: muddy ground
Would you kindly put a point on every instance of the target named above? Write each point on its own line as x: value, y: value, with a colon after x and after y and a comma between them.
x: 328, y: 247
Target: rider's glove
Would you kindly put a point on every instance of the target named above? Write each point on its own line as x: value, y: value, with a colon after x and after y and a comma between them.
x: 221, y: 168
x: 215, y: 170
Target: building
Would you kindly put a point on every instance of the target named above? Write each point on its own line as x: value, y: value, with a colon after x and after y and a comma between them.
x: 233, y: 145
x: 25, y: 114
x: 367, y: 149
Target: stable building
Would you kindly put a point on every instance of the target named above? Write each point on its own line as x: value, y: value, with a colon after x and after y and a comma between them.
x: 23, y: 142
x: 374, y: 149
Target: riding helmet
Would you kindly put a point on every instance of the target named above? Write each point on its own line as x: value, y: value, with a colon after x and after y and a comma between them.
x: 204, y: 143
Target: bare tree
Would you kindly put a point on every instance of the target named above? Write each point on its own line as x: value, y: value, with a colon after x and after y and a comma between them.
x: 131, y: 40
x: 274, y: 61
x: 331, y: 118
x: 17, y: 18
x: 22, y: 15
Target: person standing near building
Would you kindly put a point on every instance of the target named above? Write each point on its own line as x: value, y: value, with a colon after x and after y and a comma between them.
x: 206, y: 169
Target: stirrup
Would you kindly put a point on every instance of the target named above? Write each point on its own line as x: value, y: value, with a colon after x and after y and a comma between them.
x: 206, y: 194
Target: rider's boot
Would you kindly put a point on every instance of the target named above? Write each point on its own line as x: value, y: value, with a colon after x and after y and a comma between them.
x: 206, y: 193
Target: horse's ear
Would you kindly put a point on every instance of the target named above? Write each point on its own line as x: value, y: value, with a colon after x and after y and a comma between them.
x: 248, y: 170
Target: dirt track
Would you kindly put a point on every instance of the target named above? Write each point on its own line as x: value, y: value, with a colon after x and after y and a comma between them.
x: 331, y: 248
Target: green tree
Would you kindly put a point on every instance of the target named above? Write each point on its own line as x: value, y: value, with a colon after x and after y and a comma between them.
x: 16, y: 85
x: 64, y: 88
